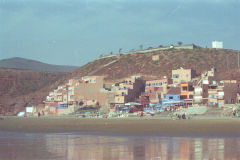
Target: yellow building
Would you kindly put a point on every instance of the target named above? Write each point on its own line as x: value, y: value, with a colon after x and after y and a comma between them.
x: 182, y: 75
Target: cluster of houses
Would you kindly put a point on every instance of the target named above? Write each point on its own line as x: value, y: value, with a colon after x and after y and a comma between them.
x: 183, y: 89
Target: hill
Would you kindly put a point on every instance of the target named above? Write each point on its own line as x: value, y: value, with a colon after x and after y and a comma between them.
x: 115, y: 68
x: 21, y: 63
x: 20, y: 87
x: 200, y: 59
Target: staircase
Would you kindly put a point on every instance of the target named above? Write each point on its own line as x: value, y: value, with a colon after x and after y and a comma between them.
x: 103, y: 66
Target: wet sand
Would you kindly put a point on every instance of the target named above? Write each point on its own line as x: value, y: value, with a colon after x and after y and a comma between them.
x: 216, y: 127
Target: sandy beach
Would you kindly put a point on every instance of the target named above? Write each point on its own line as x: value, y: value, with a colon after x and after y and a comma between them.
x: 128, y: 126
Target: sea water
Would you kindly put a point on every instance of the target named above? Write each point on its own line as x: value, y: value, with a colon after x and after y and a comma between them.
x: 79, y: 146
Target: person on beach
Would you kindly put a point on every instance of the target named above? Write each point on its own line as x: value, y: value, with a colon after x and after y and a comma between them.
x: 183, y: 116
x: 39, y: 114
x: 178, y: 116
x: 141, y: 114
x: 234, y: 112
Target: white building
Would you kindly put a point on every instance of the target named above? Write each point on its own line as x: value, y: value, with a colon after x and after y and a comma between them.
x: 217, y: 44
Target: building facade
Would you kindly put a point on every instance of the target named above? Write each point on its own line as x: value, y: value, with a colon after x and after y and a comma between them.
x: 129, y: 90
x: 182, y: 75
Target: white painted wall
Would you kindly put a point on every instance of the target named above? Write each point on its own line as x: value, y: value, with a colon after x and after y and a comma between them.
x: 217, y: 44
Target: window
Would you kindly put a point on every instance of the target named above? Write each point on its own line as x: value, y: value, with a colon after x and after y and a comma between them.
x: 183, y: 97
x: 170, y: 97
x: 62, y: 105
x: 175, y: 76
x: 213, y: 96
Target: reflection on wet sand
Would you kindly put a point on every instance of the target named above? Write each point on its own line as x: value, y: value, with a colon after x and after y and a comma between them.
x: 164, y: 148
x: 74, y: 146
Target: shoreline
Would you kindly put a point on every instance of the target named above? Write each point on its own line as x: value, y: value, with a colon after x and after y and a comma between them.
x: 199, y: 127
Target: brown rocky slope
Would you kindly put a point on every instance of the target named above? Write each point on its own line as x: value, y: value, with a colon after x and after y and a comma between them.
x: 225, y: 61
x: 20, y: 87
x: 118, y: 67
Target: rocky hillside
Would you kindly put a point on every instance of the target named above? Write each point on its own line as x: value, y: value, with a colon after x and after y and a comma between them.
x: 21, y: 63
x: 19, y: 87
x: 142, y: 64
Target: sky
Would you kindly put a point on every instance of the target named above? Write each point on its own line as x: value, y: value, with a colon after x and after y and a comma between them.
x: 75, y: 32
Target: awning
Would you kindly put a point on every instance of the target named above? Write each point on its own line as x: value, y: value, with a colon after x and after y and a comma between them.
x: 173, y: 102
x: 132, y: 104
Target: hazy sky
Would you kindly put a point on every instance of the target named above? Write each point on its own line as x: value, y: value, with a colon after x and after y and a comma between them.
x: 74, y: 32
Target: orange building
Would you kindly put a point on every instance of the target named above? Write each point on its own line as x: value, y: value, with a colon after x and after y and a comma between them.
x: 187, y: 92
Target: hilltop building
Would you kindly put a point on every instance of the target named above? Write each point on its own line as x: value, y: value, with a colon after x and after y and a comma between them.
x: 217, y: 44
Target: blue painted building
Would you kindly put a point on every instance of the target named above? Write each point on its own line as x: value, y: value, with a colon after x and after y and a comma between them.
x: 172, y: 100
